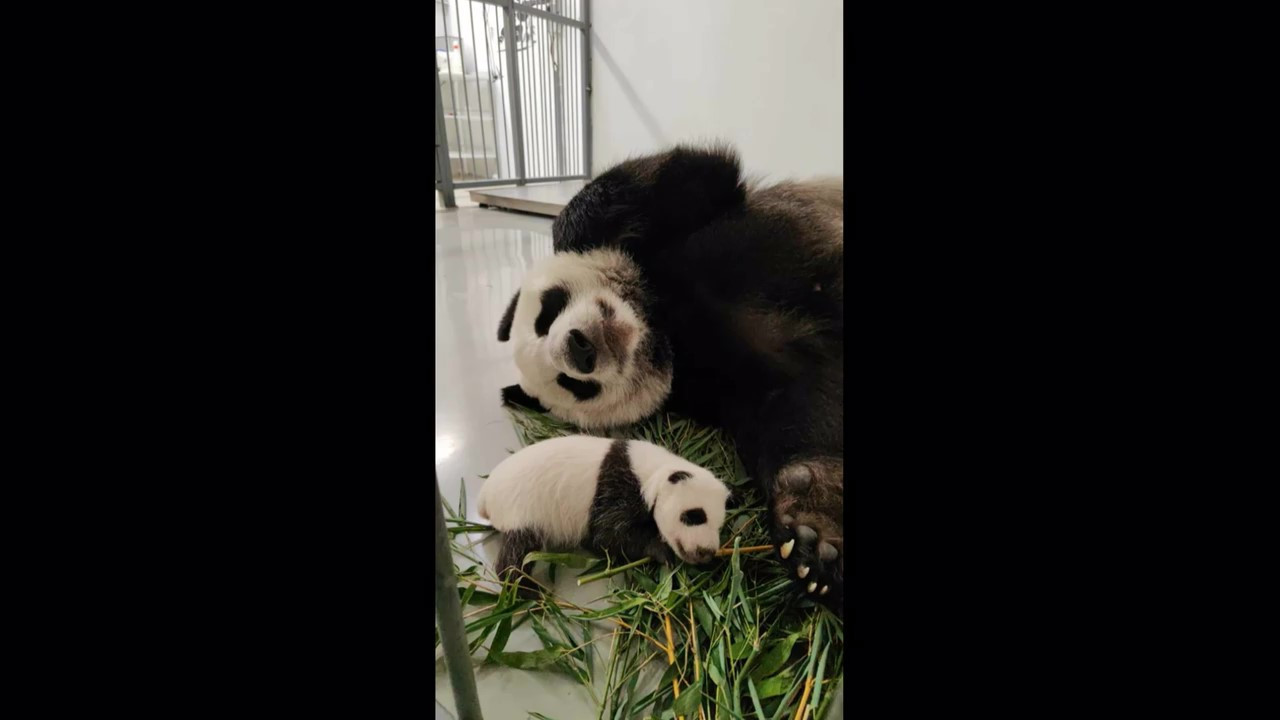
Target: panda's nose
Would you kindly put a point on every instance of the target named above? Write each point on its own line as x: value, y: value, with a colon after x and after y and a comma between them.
x: 581, y: 352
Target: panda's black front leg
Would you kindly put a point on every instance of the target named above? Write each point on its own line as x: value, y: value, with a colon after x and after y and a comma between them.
x: 797, y: 450
x: 808, y: 524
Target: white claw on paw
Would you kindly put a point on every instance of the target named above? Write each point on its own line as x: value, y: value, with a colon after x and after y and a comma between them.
x: 813, y: 586
x: 786, y: 548
x: 803, y: 571
x: 824, y: 590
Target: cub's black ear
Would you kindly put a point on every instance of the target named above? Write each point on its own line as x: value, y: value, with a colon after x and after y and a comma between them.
x: 515, y: 396
x: 504, y: 327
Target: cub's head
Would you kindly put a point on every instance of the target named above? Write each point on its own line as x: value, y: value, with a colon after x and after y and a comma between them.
x: 583, y: 343
x: 689, y: 511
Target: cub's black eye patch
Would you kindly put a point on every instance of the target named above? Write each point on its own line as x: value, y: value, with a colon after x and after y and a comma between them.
x: 693, y: 517
x: 554, y: 301
x: 678, y: 476
x: 606, y: 310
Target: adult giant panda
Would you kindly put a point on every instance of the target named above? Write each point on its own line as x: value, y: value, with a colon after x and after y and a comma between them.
x: 677, y: 285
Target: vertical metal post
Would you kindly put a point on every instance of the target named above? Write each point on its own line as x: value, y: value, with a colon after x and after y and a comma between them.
x: 453, y: 634
x: 443, y: 170
x: 557, y: 85
x: 586, y: 88
x: 513, y: 68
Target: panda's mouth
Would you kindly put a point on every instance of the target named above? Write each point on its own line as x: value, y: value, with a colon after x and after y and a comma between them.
x: 694, y: 558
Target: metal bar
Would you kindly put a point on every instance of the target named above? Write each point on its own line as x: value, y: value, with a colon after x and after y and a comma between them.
x: 541, y: 69
x: 572, y: 109
x: 513, y: 72
x: 503, y: 72
x: 586, y: 87
x: 466, y: 100
x: 453, y: 96
x: 557, y: 85
x: 547, y: 131
x: 444, y: 172
x: 468, y: 184
x: 538, y: 12
x: 572, y: 98
x: 453, y: 634
x: 475, y: 62
x: 493, y: 101
x: 526, y: 105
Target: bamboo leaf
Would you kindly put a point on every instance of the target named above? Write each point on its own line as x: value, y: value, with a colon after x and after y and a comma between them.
x: 774, y: 686
x: 573, y: 560
x: 537, y: 660
x: 755, y: 698
x: 817, y: 680
x: 774, y: 657
x: 704, y: 618
x: 711, y: 603
x: 687, y: 703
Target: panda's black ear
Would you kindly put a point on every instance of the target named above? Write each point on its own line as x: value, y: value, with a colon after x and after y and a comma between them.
x: 515, y: 396
x: 504, y: 327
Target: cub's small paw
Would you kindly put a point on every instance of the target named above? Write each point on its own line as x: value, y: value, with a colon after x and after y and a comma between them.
x: 661, y: 554
x: 808, y: 526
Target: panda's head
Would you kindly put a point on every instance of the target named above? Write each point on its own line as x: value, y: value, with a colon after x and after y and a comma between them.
x: 689, y: 509
x: 583, y: 343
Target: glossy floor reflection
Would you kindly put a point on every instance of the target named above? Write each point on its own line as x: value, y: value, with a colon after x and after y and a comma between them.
x: 481, y: 258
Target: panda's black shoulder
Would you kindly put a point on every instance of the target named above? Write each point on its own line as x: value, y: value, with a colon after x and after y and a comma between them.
x: 642, y: 204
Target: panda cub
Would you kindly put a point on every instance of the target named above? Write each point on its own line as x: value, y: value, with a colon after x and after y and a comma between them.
x: 627, y: 497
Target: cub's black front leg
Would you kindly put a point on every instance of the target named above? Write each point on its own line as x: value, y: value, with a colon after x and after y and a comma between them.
x: 515, y: 545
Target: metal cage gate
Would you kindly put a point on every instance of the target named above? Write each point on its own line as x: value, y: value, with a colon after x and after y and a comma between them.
x: 513, y: 88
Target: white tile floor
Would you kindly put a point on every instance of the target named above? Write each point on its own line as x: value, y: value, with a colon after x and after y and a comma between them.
x: 481, y: 257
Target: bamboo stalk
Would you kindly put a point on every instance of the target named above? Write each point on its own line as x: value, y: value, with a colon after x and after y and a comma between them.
x: 808, y: 686
x: 671, y: 656
x: 693, y: 633
x: 453, y: 635
x: 723, y: 552
x: 584, y: 579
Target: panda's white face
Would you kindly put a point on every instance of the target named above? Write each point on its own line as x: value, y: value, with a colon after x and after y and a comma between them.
x: 690, y: 511
x: 583, y: 349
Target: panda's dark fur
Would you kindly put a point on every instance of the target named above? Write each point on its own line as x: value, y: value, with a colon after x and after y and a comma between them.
x: 746, y: 284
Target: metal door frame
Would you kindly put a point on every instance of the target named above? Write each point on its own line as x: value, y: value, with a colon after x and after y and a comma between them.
x: 445, y: 184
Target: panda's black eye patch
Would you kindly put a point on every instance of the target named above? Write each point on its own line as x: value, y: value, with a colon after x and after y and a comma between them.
x: 693, y: 517
x: 554, y: 301
x: 678, y: 476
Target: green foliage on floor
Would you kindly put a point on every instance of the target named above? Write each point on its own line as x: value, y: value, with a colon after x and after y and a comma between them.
x: 743, y: 643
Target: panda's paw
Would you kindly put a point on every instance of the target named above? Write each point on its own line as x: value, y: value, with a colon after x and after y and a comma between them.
x: 808, y: 526
x: 660, y: 553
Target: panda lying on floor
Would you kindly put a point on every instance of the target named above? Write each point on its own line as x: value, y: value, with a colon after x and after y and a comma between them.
x: 678, y: 286
x: 629, y: 498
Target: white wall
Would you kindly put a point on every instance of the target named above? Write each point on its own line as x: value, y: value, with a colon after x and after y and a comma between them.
x: 766, y: 75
